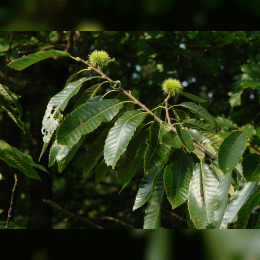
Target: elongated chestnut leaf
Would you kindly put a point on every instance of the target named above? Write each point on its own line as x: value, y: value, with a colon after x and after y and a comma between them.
x: 152, y: 217
x: 26, y: 61
x: 251, y: 168
x: 95, y: 151
x: 171, y: 139
x: 231, y: 151
x: 199, y: 111
x: 185, y: 138
x: 177, y: 176
x: 85, y: 119
x: 146, y: 186
x: 119, y: 136
x: 136, y: 163
x: 193, y: 123
x: 156, y: 153
x: 222, y: 197
x: 19, y: 160
x: 244, y: 213
x: 238, y: 199
x: 202, y: 102
x: 53, y: 116
x: 202, y: 198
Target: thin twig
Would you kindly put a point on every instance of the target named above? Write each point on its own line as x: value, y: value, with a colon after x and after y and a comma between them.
x: 175, y: 215
x: 117, y: 220
x: 11, y: 203
x: 255, y: 148
x: 167, y: 111
x: 55, y: 205
x: 142, y: 105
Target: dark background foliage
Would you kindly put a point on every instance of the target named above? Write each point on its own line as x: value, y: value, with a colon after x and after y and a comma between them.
x: 144, y: 14
x: 206, y: 62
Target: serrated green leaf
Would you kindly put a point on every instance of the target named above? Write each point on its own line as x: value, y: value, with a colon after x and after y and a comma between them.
x: 85, y: 119
x: 171, y: 139
x: 53, y: 116
x: 131, y: 152
x: 95, y: 151
x: 146, y: 186
x: 185, y: 138
x: 7, y: 98
x: 244, y: 213
x: 248, y: 129
x: 193, y: 123
x: 231, y: 150
x: 177, y: 176
x: 19, y: 160
x: 251, y: 168
x: 199, y: 111
x: 225, y: 123
x: 237, y: 201
x: 100, y: 172
x: 222, y: 198
x: 156, y: 153
x: 136, y: 163
x: 152, y: 217
x: 198, y: 153
x: 119, y: 136
x: 180, y: 115
x: 12, y: 98
x: 11, y: 112
x: 202, y: 196
x: 202, y: 102
x: 26, y: 61
x: 189, y: 221
x: 214, y: 138
x: 235, y: 98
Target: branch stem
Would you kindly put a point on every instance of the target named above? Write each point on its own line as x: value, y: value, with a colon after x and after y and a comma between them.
x: 142, y: 105
x: 11, y: 203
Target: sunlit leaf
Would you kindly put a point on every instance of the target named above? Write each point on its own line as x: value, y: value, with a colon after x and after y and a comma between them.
x: 202, y: 198
x: 237, y: 201
x: 85, y: 119
x: 26, y: 61
x: 222, y: 198
x: 53, y: 116
x: 199, y: 111
x: 119, y: 135
x: 244, y: 213
x: 202, y: 102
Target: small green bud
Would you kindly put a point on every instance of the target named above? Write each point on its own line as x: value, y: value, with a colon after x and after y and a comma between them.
x: 99, y: 58
x: 172, y: 87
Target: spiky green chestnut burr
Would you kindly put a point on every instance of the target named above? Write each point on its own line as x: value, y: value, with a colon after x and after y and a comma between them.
x: 172, y: 87
x: 99, y: 59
